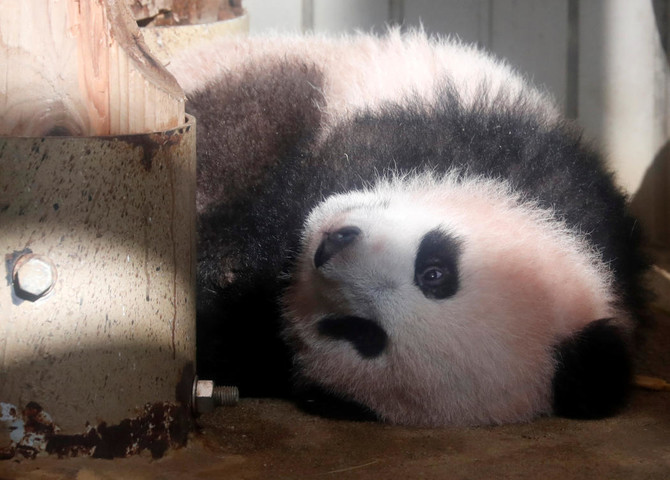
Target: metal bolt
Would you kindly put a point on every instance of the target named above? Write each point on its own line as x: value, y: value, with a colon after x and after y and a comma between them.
x: 206, y: 395
x: 34, y: 277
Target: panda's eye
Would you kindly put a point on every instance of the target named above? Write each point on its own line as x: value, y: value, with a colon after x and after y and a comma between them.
x: 432, y: 276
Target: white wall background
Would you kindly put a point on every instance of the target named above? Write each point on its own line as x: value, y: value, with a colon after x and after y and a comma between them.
x: 604, y: 61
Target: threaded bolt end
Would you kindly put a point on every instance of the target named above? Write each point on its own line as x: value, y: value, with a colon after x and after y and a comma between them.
x: 226, y: 396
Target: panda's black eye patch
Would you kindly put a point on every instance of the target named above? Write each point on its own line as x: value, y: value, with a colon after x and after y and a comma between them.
x: 436, y: 265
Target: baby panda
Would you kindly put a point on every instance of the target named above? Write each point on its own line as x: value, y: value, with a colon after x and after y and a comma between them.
x: 405, y: 223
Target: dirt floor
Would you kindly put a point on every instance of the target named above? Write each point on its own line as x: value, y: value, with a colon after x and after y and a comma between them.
x: 271, y: 439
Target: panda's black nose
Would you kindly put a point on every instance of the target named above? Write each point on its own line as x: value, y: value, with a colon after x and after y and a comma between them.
x: 334, y: 242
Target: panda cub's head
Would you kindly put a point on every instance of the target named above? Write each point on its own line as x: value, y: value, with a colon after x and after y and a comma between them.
x: 439, y: 300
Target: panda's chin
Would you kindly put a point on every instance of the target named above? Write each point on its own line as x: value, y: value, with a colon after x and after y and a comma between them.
x: 367, y: 337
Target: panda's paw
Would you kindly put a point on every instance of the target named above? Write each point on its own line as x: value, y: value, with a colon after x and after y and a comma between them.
x: 316, y: 400
x: 593, y: 372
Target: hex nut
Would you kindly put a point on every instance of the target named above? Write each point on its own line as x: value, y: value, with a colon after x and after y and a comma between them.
x: 204, y: 396
x: 34, y: 277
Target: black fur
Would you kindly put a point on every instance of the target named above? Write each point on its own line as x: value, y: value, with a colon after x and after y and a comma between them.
x: 593, y: 372
x: 316, y: 400
x: 246, y: 125
x: 248, y: 122
x: 365, y: 335
x: 247, y: 244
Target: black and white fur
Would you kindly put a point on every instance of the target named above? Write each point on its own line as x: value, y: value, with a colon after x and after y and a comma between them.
x: 407, y: 224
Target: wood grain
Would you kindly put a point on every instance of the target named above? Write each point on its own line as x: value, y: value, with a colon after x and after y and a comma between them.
x: 73, y: 67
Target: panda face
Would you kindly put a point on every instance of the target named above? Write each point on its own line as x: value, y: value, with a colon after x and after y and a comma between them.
x: 362, y: 269
x: 435, y: 275
x: 433, y: 303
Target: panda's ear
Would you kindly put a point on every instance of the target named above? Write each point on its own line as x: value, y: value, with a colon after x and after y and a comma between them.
x: 593, y: 372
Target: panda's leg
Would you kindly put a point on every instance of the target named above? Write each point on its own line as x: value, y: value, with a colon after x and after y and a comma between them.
x: 593, y: 372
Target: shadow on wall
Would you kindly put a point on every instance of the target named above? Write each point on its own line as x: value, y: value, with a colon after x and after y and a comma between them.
x: 662, y: 17
x: 651, y: 202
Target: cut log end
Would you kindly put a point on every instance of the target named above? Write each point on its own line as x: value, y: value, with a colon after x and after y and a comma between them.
x: 81, y: 68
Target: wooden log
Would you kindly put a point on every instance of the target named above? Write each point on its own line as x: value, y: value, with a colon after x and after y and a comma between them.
x: 159, y: 13
x: 80, y: 67
x: 145, y: 11
x: 167, y: 42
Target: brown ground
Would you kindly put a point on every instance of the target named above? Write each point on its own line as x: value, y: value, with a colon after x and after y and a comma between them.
x: 270, y: 439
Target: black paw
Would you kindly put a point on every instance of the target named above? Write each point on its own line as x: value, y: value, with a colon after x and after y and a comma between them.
x: 593, y: 372
x: 315, y: 400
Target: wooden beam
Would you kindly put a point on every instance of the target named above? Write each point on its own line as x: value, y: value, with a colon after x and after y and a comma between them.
x: 80, y: 67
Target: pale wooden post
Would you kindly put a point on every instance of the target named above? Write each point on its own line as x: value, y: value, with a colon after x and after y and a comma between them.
x: 80, y: 67
x: 97, y: 194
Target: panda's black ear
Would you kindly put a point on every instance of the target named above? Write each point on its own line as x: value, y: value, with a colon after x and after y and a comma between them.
x: 593, y: 372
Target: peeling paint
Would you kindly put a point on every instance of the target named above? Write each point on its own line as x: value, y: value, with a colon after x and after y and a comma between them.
x: 31, y: 431
x: 27, y: 431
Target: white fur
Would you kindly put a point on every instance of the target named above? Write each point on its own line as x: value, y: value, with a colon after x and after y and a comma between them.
x: 364, y: 71
x: 482, y: 356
